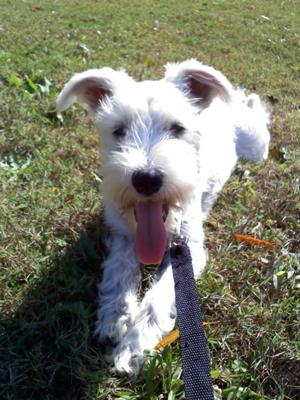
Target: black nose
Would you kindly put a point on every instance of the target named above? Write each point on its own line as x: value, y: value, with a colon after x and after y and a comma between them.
x: 147, y: 182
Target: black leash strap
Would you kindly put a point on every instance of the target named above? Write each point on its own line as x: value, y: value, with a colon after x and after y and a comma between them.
x: 194, y: 353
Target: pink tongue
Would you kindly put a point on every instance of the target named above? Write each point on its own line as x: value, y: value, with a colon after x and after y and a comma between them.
x: 151, y: 236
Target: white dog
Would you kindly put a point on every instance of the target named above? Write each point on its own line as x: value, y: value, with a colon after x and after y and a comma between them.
x: 167, y: 148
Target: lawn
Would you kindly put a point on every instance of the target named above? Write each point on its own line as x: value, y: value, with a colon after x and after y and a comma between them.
x: 51, y: 229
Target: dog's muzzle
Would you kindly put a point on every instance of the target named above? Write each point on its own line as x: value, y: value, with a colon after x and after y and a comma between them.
x: 151, y: 235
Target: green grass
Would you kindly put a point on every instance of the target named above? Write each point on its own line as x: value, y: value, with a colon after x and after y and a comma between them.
x: 51, y: 229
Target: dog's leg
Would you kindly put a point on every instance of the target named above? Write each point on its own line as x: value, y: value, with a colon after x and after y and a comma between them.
x: 155, y: 319
x: 117, y: 292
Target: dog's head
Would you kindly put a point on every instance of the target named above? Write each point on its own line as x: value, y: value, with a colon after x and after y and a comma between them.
x: 149, y: 138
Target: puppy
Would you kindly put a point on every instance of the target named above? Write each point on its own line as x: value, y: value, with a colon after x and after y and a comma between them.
x: 167, y: 149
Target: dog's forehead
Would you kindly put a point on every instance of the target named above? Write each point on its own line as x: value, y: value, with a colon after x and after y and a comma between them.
x: 159, y: 92
x: 151, y: 104
x: 155, y: 98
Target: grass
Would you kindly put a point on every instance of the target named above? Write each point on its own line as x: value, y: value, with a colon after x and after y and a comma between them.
x: 50, y: 211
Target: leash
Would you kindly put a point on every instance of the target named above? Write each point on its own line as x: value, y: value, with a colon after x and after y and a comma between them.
x: 194, y: 353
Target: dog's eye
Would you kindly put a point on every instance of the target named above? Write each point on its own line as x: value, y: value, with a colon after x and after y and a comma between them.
x: 176, y: 129
x: 120, y: 132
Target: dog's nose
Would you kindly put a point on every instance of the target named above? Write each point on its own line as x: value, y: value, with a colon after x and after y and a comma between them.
x: 147, y: 182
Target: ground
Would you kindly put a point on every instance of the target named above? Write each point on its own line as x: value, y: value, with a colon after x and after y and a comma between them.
x: 51, y: 228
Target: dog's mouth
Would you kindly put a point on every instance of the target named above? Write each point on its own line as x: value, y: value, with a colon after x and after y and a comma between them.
x: 151, y: 236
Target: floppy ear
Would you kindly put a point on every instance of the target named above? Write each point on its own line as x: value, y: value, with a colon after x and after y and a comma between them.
x: 202, y: 82
x: 90, y: 87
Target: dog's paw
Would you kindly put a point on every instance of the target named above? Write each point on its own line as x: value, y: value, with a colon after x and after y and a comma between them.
x: 128, y: 360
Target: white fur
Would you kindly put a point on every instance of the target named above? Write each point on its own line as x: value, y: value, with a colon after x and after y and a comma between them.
x: 220, y: 127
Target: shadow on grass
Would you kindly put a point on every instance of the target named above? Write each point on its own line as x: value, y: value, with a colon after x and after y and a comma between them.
x: 47, y: 347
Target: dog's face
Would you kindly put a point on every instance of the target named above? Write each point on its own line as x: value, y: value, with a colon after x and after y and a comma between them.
x: 150, y: 139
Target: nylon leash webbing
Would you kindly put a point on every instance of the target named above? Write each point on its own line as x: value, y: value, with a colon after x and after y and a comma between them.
x: 194, y: 353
